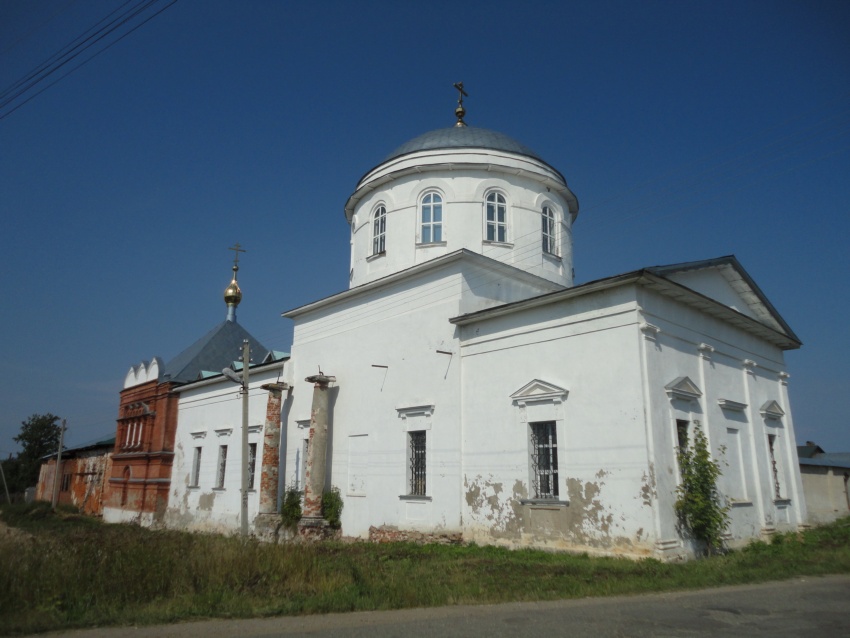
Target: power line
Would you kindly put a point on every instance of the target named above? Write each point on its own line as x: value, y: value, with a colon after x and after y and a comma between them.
x: 77, y: 47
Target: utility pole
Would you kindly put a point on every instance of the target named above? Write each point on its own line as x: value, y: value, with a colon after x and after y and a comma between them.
x: 58, y: 466
x: 5, y: 485
x: 244, y: 513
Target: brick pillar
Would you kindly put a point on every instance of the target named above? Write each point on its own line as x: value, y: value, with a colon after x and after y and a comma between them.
x: 314, y: 476
x: 271, y: 449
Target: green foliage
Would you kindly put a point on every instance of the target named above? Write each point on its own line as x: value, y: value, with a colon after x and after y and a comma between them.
x: 290, y: 511
x: 701, y: 513
x: 332, y: 507
x: 39, y: 436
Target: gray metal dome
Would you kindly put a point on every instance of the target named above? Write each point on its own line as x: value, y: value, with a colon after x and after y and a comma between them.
x: 462, y: 137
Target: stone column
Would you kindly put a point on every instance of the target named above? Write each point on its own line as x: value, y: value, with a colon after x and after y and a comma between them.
x: 314, y: 476
x: 271, y: 449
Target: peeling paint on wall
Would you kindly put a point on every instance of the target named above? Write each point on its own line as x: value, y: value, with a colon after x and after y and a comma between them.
x: 648, y: 488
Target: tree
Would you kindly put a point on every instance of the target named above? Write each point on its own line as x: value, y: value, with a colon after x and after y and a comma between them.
x: 38, y: 438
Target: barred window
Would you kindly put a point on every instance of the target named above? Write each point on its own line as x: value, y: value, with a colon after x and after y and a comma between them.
x: 417, y: 463
x: 682, y: 434
x: 66, y: 482
x: 550, y: 235
x: 431, y: 210
x: 379, y: 231
x: 771, y: 446
x: 544, y: 459
x: 222, y: 465
x: 252, y: 464
x: 497, y: 218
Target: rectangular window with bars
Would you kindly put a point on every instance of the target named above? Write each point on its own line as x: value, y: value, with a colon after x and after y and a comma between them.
x: 252, y: 464
x: 417, y: 463
x: 771, y: 446
x: 222, y: 466
x: 544, y: 459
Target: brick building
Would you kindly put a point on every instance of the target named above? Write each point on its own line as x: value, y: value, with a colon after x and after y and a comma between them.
x: 83, y: 475
x: 140, y: 478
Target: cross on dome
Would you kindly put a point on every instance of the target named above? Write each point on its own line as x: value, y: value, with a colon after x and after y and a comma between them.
x: 460, y: 111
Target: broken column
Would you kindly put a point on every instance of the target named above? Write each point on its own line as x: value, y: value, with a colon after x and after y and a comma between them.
x: 271, y: 449
x: 267, y: 521
x: 312, y: 525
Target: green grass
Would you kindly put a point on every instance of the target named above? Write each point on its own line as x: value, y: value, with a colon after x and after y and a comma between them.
x: 76, y: 572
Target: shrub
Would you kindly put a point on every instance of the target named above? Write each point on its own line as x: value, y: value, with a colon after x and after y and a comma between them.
x: 332, y: 507
x: 701, y: 513
x: 290, y: 511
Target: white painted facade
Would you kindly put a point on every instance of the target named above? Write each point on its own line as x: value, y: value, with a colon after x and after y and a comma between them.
x: 203, y: 497
x: 547, y: 415
x: 478, y: 343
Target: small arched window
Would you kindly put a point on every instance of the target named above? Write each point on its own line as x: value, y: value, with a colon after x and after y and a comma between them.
x: 431, y: 216
x: 550, y: 234
x: 379, y: 231
x: 497, y: 218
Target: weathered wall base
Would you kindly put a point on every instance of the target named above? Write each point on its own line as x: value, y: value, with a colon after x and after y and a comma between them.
x: 267, y: 527
x: 313, y: 529
x: 391, y: 534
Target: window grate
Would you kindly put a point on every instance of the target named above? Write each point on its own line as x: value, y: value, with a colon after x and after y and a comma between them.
x: 222, y: 465
x: 544, y: 459
x: 417, y: 463
x: 771, y: 442
x: 252, y: 464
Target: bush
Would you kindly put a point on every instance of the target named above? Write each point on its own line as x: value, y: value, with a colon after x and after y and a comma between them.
x: 332, y: 507
x: 290, y: 512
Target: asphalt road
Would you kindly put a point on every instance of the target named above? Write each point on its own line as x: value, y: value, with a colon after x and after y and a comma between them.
x: 811, y: 606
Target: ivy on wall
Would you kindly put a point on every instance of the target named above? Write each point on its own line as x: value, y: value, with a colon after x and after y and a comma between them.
x: 699, y: 507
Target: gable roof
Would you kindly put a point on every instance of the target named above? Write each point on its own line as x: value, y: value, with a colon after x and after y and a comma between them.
x: 765, y: 321
x: 215, y: 350
x: 738, y: 279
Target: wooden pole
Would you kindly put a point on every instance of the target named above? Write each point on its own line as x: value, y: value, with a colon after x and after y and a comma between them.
x: 58, y: 466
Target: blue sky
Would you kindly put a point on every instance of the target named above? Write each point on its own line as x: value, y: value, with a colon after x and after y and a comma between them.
x: 688, y: 130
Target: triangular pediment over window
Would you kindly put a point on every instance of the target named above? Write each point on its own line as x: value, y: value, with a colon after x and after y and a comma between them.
x: 772, y: 410
x: 683, y: 388
x: 538, y: 390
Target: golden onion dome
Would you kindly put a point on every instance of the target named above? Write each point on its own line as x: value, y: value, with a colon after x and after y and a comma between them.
x: 232, y: 294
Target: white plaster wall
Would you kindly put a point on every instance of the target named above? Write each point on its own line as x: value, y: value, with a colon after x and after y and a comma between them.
x: 589, y: 347
x: 209, y: 416
x: 382, y: 349
x: 729, y: 365
x: 826, y: 493
x: 463, y: 192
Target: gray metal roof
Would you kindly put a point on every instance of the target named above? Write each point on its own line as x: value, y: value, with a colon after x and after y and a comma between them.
x: 215, y: 350
x: 463, y: 137
x: 834, y: 459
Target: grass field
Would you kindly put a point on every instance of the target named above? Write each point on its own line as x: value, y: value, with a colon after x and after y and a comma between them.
x: 61, y: 570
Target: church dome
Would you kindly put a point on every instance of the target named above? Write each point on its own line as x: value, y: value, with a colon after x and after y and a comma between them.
x: 461, y: 188
x: 462, y: 137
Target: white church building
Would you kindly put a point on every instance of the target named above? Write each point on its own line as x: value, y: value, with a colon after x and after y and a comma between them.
x: 476, y: 392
